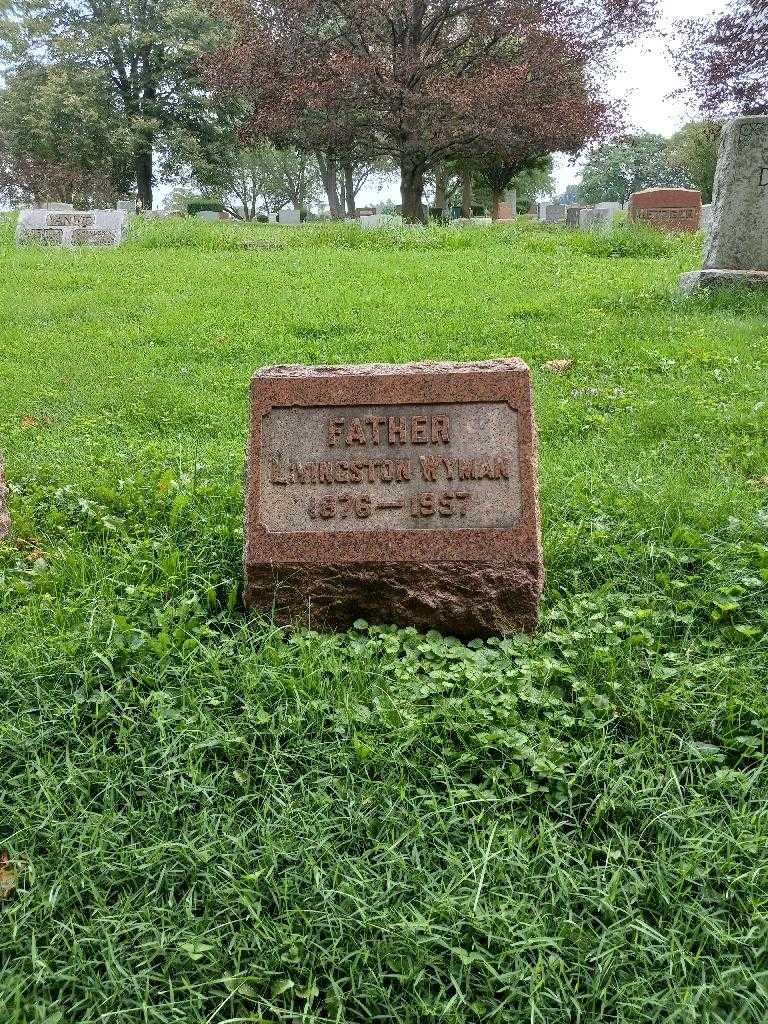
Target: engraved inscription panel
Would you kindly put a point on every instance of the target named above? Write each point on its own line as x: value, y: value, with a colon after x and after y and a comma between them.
x: 45, y: 236
x: 69, y: 220
x: 452, y: 466
x: 92, y: 236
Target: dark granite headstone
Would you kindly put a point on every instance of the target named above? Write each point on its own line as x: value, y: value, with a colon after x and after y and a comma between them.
x: 395, y: 493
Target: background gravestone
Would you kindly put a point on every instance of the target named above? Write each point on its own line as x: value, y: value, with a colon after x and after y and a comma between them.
x: 667, y: 209
x: 555, y: 214
x: 398, y: 494
x: 598, y: 217
x: 71, y: 227
x: 736, y: 250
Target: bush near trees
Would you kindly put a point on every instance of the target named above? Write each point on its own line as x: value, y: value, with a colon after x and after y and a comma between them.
x: 501, y: 79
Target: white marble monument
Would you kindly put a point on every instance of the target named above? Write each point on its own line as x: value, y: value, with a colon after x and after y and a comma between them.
x: 71, y: 227
x: 289, y: 217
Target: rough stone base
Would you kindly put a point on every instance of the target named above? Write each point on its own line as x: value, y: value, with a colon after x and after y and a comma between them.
x: 464, y: 599
x: 5, y: 519
x: 714, y: 280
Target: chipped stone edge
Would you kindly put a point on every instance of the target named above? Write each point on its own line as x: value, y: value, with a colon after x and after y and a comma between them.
x: 716, y: 280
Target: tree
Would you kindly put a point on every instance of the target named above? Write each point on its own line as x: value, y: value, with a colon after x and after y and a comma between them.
x: 532, y: 182
x: 424, y: 80
x: 613, y: 172
x: 57, y: 118
x: 252, y: 179
x: 176, y: 200
x: 29, y: 179
x: 724, y: 59
x: 497, y: 175
x: 142, y: 54
x: 569, y: 197
x: 693, y: 152
x: 528, y: 183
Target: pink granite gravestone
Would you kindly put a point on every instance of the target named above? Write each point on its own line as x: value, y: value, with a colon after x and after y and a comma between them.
x: 399, y: 494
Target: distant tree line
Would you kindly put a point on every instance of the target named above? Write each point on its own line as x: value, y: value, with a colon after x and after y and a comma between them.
x: 266, y: 104
x: 687, y: 160
x: 493, y: 85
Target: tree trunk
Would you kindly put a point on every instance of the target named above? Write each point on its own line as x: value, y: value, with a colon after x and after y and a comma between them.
x: 441, y: 189
x: 497, y: 196
x: 466, y: 194
x: 411, y: 191
x: 349, y: 189
x: 144, y: 177
x: 329, y: 174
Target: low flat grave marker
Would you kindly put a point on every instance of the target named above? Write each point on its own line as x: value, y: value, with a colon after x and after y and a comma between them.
x: 399, y: 494
x: 736, y: 250
x: 71, y: 227
x: 668, y: 209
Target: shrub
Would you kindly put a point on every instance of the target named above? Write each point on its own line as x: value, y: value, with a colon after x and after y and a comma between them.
x: 201, y: 204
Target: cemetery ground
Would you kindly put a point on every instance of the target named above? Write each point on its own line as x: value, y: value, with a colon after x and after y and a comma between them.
x: 211, y: 821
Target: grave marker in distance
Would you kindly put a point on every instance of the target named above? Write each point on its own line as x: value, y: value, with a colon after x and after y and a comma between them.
x: 71, y: 227
x: 667, y: 209
x: 399, y: 494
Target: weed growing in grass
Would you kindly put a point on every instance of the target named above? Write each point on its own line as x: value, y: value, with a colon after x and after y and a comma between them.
x: 210, y: 820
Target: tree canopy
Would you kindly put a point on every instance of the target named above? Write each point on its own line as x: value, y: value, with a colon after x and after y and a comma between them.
x: 613, y: 172
x: 425, y: 80
x: 134, y: 64
x: 724, y: 59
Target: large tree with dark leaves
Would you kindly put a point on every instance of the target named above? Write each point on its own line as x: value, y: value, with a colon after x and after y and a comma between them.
x: 140, y: 59
x: 724, y: 59
x: 424, y: 81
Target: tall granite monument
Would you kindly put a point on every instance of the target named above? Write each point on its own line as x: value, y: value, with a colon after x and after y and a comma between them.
x: 736, y: 251
x: 395, y: 493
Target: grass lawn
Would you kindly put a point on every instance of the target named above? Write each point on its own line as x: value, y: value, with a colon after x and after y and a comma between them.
x: 209, y: 821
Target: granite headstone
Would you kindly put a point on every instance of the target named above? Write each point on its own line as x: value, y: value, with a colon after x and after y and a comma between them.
x: 555, y: 214
x: 395, y: 493
x: 71, y: 227
x: 289, y: 217
x: 736, y: 250
x: 667, y: 209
